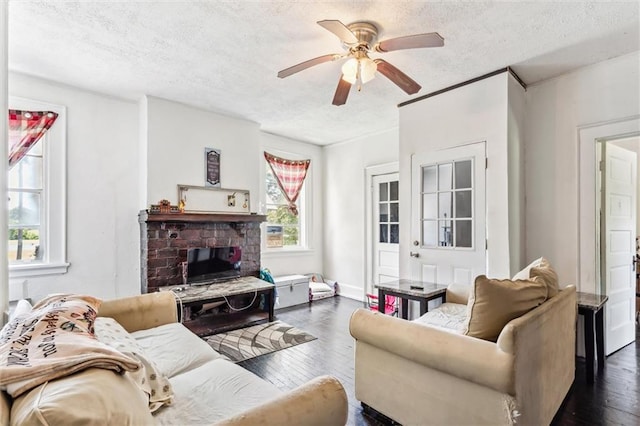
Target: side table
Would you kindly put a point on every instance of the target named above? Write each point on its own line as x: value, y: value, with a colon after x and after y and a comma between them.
x: 412, y: 290
x: 590, y: 306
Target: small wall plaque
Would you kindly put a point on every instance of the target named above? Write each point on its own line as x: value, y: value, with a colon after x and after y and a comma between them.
x: 212, y: 167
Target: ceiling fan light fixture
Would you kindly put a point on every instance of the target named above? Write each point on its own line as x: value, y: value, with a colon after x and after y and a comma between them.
x: 365, y: 67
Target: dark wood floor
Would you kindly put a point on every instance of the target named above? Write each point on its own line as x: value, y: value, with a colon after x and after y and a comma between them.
x: 612, y: 400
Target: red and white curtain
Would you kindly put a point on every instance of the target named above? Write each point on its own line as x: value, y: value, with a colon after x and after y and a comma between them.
x: 290, y: 175
x: 25, y: 129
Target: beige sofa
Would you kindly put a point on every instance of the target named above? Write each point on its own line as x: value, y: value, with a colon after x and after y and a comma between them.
x: 418, y: 374
x: 207, y: 389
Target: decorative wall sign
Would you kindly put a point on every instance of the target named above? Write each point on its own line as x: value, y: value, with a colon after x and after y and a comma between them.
x: 212, y: 167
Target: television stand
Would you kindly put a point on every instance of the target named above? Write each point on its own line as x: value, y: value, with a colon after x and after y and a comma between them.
x: 215, y: 308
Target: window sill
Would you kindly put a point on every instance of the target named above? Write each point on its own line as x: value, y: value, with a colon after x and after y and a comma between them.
x: 281, y: 252
x: 36, y: 270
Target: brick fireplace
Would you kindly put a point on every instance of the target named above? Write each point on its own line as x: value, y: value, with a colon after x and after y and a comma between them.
x: 165, y: 239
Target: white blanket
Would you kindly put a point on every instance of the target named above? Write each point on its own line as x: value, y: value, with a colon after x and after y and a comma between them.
x: 54, y: 340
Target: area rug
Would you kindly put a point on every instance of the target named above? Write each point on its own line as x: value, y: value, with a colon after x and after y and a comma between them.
x: 246, y: 343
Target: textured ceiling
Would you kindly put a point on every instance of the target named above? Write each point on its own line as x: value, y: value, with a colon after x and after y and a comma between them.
x: 224, y: 55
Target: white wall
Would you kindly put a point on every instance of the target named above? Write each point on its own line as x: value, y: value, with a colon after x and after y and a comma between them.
x: 472, y: 113
x: 177, y: 135
x: 515, y: 133
x: 4, y: 290
x: 102, y: 193
x: 555, y: 109
x: 344, y: 210
x: 283, y: 262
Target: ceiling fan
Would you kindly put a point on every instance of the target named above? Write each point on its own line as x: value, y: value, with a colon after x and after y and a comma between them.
x: 360, y: 39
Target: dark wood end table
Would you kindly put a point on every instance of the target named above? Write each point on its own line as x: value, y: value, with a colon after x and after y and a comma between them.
x: 591, y: 307
x: 411, y: 290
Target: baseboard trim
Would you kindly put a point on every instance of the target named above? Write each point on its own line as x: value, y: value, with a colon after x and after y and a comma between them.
x: 351, y: 292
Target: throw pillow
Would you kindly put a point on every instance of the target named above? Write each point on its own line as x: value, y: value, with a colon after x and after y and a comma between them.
x: 148, y: 378
x: 545, y: 272
x: 23, y: 307
x: 315, y: 277
x: 493, y: 303
x: 524, y: 274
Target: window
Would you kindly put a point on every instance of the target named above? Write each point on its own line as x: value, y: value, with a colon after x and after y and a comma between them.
x: 447, y: 200
x: 284, y: 229
x: 25, y: 197
x: 37, y: 200
x: 388, y: 205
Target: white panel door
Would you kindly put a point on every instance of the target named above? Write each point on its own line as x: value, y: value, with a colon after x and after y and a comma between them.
x: 619, y: 170
x: 386, y: 232
x: 448, y: 224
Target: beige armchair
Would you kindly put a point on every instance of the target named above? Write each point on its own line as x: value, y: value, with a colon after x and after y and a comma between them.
x: 417, y: 374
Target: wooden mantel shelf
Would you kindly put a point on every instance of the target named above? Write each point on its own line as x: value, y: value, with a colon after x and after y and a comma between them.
x: 144, y: 216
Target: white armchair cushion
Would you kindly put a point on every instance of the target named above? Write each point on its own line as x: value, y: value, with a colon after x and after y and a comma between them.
x: 450, y: 317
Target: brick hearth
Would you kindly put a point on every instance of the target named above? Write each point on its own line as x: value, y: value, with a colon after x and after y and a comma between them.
x: 165, y: 238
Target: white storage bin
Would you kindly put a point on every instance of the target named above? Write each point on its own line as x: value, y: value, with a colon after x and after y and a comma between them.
x: 292, y: 290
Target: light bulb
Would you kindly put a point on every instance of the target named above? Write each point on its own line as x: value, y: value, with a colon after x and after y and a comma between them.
x: 367, y: 69
x: 350, y: 70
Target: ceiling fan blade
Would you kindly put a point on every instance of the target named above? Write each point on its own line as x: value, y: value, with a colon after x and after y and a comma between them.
x: 402, y: 80
x: 410, y: 42
x: 307, y: 64
x: 342, y: 92
x: 340, y: 30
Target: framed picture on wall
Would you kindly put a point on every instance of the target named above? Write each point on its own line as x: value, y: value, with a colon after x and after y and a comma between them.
x: 212, y: 167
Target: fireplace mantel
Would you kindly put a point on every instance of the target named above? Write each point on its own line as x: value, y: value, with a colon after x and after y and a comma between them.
x: 144, y: 216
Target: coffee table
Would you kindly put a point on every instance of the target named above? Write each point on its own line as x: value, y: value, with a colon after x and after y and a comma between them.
x: 407, y: 290
x: 196, y: 296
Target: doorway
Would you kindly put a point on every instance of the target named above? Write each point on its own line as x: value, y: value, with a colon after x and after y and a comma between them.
x: 596, y: 238
x: 383, y: 227
x: 616, y: 231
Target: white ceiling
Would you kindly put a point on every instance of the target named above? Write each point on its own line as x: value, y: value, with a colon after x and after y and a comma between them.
x: 224, y: 55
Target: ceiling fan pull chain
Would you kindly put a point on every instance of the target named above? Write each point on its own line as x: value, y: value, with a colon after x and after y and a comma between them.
x: 359, y: 76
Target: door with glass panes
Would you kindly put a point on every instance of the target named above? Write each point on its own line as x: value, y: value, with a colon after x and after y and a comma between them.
x: 386, y: 232
x: 448, y: 224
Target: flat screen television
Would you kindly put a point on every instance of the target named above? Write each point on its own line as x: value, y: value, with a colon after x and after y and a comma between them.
x: 212, y: 264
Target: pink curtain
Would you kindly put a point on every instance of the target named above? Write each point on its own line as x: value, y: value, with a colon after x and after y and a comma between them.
x: 25, y: 129
x: 290, y: 175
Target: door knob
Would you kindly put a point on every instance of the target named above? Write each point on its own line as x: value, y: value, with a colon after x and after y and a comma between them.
x: 414, y: 254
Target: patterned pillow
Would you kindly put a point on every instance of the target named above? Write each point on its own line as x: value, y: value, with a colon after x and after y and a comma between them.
x: 149, y: 378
